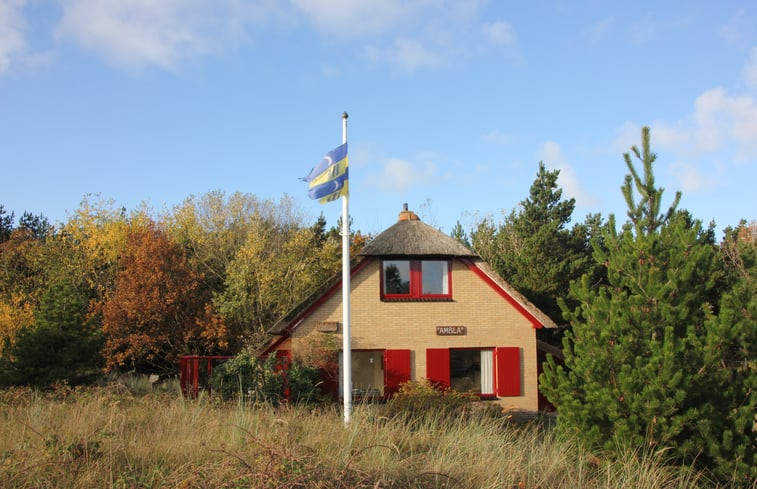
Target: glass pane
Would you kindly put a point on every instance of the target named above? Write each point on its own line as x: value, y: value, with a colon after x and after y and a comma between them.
x: 465, y: 370
x: 397, y: 277
x: 434, y: 277
x: 367, y: 374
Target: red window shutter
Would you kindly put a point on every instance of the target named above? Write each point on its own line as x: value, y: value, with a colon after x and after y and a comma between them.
x: 437, y: 366
x: 283, y: 360
x: 396, y: 370
x: 508, y: 370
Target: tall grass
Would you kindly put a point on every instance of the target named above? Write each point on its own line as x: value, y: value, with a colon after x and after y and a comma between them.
x: 110, y: 437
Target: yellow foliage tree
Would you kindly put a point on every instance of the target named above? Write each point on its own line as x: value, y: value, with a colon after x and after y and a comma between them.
x: 15, y: 313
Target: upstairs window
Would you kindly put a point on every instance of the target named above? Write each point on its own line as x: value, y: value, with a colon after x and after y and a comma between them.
x: 415, y: 279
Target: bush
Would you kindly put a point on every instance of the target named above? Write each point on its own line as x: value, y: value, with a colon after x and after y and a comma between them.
x: 417, y: 399
x: 269, y: 380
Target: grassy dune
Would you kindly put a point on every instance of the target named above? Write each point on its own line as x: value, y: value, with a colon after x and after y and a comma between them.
x: 114, y: 437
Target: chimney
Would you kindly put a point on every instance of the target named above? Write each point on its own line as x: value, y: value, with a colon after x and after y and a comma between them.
x: 407, y: 215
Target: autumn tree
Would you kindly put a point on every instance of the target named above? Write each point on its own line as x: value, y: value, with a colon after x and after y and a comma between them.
x: 648, y: 349
x: 23, y: 279
x: 277, y: 267
x: 213, y: 227
x: 97, y: 229
x: 257, y: 257
x: 157, y: 310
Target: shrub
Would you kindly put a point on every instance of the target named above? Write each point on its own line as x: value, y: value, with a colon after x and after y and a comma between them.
x: 247, y: 376
x: 416, y: 399
x: 270, y: 380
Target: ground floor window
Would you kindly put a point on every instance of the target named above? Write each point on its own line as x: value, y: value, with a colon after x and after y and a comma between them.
x: 472, y: 370
x: 485, y: 371
x: 376, y: 374
x: 367, y: 374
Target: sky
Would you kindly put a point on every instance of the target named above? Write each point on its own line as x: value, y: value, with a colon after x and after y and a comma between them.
x: 451, y: 103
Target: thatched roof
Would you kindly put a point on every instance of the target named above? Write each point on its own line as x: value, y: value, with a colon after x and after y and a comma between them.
x: 414, y: 238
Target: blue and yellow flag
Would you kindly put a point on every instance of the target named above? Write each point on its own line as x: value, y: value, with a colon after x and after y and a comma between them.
x: 329, y: 179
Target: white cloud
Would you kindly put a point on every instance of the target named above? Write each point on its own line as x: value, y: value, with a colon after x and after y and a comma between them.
x: 721, y: 120
x: 163, y: 33
x: 551, y: 154
x: 627, y: 135
x: 409, y: 35
x: 719, y: 123
x: 405, y: 54
x: 12, y: 41
x: 750, y: 69
x: 667, y: 136
x: 351, y: 18
x: 400, y: 175
x: 690, y: 178
x: 500, y: 33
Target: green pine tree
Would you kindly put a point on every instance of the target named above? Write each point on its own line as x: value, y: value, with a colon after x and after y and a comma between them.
x: 640, y: 366
x: 459, y: 234
x: 731, y: 364
x: 62, y: 345
x: 533, y: 248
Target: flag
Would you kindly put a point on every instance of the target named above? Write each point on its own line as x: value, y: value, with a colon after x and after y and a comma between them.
x: 329, y: 180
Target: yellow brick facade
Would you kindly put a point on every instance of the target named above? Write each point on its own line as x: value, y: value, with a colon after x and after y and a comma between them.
x: 491, y: 321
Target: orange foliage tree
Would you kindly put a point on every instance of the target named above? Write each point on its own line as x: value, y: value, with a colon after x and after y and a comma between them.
x: 158, y: 309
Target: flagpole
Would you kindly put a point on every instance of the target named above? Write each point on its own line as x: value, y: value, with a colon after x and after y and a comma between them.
x: 346, y: 343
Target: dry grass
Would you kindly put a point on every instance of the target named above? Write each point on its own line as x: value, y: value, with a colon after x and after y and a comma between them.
x: 110, y: 437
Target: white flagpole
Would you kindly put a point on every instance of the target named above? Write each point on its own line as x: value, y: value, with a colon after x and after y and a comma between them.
x: 346, y: 343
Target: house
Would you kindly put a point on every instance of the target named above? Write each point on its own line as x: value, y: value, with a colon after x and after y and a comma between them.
x: 423, y: 306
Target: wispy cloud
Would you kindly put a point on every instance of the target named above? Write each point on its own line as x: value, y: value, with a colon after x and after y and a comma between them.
x: 551, y: 154
x: 500, y: 33
x: 643, y: 31
x: 359, y: 18
x: 600, y: 29
x: 139, y: 33
x: 12, y: 42
x: 405, y: 35
x: 750, y: 69
x: 405, y: 54
x: 496, y: 137
x: 690, y: 178
x: 739, y: 29
x: 409, y: 35
x: 398, y: 176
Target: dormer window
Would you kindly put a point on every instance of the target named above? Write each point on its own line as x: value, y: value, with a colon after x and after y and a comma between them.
x: 416, y: 280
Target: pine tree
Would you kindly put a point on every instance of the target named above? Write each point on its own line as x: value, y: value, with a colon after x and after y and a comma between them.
x: 459, y: 234
x: 61, y: 345
x: 640, y: 367
x: 731, y: 363
x: 533, y: 249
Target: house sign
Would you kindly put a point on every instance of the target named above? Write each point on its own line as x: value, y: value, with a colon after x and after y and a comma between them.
x: 451, y: 330
x: 327, y: 326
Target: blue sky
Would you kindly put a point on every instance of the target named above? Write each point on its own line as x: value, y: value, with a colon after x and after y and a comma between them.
x: 452, y: 104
